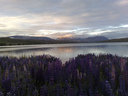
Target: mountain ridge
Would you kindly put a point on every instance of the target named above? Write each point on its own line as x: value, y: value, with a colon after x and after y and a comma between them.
x: 88, y: 39
x: 30, y: 38
x: 4, y: 41
x: 117, y: 40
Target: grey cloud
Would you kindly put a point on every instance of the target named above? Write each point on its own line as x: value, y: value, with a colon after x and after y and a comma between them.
x: 69, y: 14
x: 116, y: 34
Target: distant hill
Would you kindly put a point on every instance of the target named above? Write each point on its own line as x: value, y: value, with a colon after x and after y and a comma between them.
x: 27, y: 40
x: 96, y: 39
x: 9, y: 41
x: 30, y: 38
x: 117, y: 40
x: 71, y: 39
x: 89, y: 39
x: 4, y: 41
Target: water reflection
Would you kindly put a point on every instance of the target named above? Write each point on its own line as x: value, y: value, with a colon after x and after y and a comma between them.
x: 65, y: 51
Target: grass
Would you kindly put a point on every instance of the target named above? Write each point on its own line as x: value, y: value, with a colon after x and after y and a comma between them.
x: 9, y: 41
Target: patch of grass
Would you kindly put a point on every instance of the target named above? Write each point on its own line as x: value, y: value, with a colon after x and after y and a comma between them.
x: 9, y: 41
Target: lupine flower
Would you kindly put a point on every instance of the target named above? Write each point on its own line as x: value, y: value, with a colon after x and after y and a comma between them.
x: 101, y: 75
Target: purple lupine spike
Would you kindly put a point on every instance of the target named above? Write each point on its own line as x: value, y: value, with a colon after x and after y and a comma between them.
x: 75, y: 91
x: 90, y: 92
x: 8, y: 94
x: 52, y: 80
x: 119, y: 93
x: 125, y: 74
x: 35, y: 93
x: 109, y: 89
x: 43, y: 91
x: 97, y: 93
x: 1, y: 94
x: 122, y: 85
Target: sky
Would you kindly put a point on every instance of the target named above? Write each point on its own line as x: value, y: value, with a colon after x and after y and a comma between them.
x: 64, y: 18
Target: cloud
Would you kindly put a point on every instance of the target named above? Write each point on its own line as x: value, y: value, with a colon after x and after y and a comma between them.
x: 54, y: 18
x: 122, y: 2
x: 2, y: 25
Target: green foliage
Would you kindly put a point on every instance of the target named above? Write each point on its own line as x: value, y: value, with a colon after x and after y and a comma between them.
x: 9, y: 41
x: 117, y: 40
x: 2, y: 44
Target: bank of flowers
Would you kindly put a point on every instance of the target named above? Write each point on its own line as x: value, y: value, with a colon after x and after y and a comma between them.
x: 84, y: 75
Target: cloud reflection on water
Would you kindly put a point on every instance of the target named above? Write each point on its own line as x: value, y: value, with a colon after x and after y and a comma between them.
x: 67, y: 51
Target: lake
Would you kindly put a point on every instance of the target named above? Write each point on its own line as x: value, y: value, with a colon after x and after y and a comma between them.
x: 65, y: 51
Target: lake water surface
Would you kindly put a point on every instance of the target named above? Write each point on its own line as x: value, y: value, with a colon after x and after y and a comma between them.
x: 65, y: 51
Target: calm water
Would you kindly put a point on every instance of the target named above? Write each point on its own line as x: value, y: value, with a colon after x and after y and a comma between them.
x: 65, y: 51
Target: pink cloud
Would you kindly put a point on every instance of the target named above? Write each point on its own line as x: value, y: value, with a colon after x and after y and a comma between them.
x: 122, y: 2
